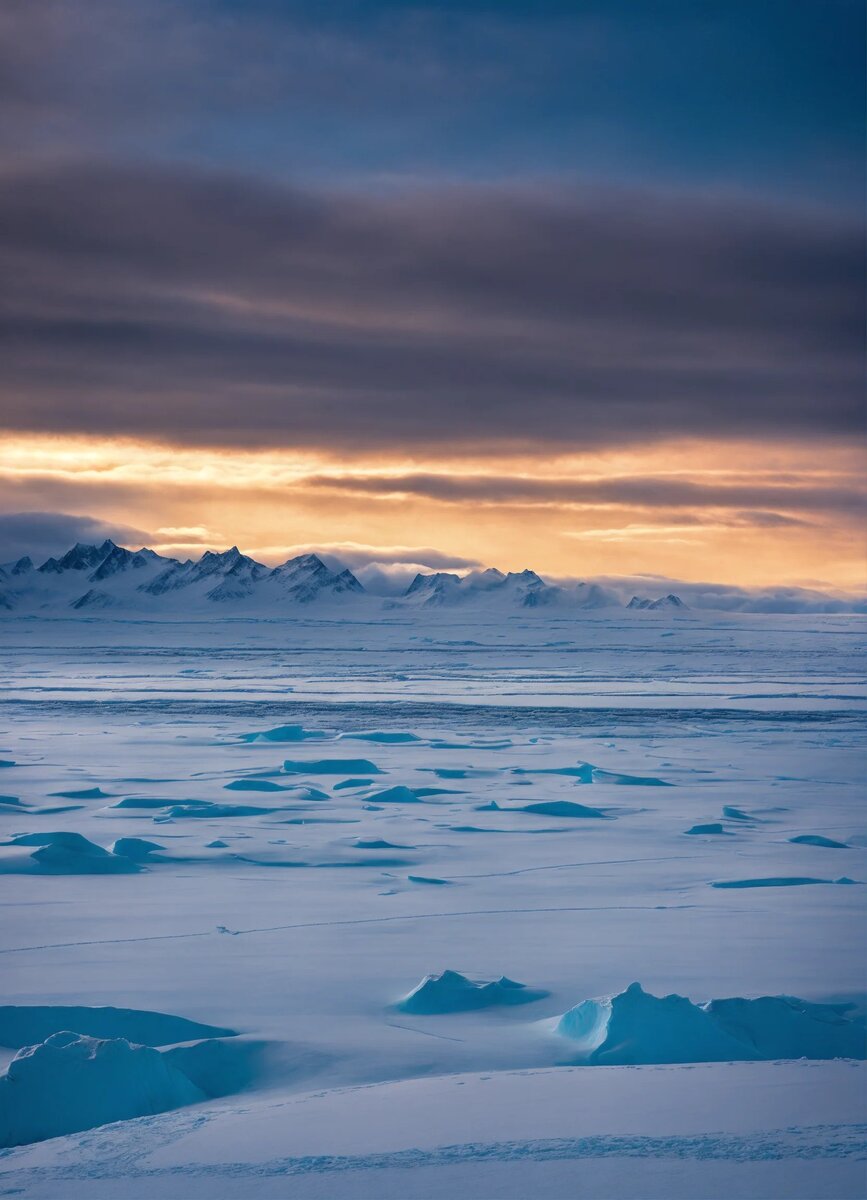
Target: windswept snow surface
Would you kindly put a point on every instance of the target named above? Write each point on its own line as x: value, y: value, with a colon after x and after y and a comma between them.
x: 268, y: 885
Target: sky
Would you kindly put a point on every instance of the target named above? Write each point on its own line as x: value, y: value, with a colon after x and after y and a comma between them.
x: 575, y: 286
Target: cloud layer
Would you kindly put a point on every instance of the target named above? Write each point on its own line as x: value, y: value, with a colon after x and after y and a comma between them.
x: 42, y: 534
x: 172, y: 304
x: 387, y: 570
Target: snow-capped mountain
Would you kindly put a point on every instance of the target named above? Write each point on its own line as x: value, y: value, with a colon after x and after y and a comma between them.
x: 79, y: 558
x: 112, y: 577
x: 524, y: 589
x: 227, y: 576
x: 92, y: 579
x: 669, y: 601
x: 306, y: 578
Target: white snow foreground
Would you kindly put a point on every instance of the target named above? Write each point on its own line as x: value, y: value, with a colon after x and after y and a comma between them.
x: 530, y: 807
x: 72, y: 1081
x: 651, y: 1132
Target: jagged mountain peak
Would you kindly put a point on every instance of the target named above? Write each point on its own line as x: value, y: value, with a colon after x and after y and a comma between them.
x: 521, y: 587
x: 121, y: 579
x: 217, y: 558
x: 645, y: 603
x: 303, y: 560
x: 306, y: 577
x: 119, y: 559
x: 82, y: 557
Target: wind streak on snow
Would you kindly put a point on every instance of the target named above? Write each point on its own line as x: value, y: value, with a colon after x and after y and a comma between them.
x: 798, y: 1142
x: 472, y: 912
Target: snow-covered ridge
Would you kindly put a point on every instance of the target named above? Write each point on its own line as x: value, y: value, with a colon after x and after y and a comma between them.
x: 108, y: 576
x: 93, y: 578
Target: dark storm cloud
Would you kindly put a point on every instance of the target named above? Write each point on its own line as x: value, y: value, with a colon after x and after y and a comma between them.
x: 212, y: 308
x: 41, y: 534
x: 634, y: 491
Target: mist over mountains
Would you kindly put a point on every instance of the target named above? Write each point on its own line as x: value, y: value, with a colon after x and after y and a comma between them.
x: 108, y: 576
x: 91, y: 578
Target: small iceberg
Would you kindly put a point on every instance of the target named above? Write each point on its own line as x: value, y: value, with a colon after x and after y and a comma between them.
x: 452, y: 992
x: 331, y: 766
x: 72, y: 1082
x: 63, y: 853
x: 286, y: 733
x: 816, y: 839
x: 563, y: 808
x: 634, y: 1027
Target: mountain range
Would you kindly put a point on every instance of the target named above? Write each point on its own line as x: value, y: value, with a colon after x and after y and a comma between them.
x: 106, y: 577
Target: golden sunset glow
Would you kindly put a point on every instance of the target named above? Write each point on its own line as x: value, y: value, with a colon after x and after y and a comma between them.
x: 689, y: 510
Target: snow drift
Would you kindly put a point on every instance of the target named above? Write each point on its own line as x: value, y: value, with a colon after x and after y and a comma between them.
x: 71, y: 1082
x: 453, y: 992
x: 634, y: 1027
x: 25, y: 1024
x: 62, y: 853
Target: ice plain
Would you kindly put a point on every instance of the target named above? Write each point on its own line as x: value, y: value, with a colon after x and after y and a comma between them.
x: 279, y: 828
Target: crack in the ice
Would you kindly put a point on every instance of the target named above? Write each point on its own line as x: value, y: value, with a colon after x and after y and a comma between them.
x: 473, y: 912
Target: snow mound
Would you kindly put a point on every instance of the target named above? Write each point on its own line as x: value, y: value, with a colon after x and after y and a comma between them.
x: 331, y: 766
x: 714, y: 827
x: 786, y: 1027
x: 135, y: 849
x: 562, y: 808
x: 815, y: 839
x: 395, y: 795
x: 72, y: 1082
x: 24, y: 1025
x: 94, y: 793
x: 453, y: 992
x: 600, y: 776
x: 218, y: 1068
x: 776, y: 881
x: 63, y: 853
x: 379, y: 844
x: 634, y: 1027
x: 384, y: 738
x: 586, y: 773
x: 253, y: 785
x: 207, y: 810
x: 284, y: 733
